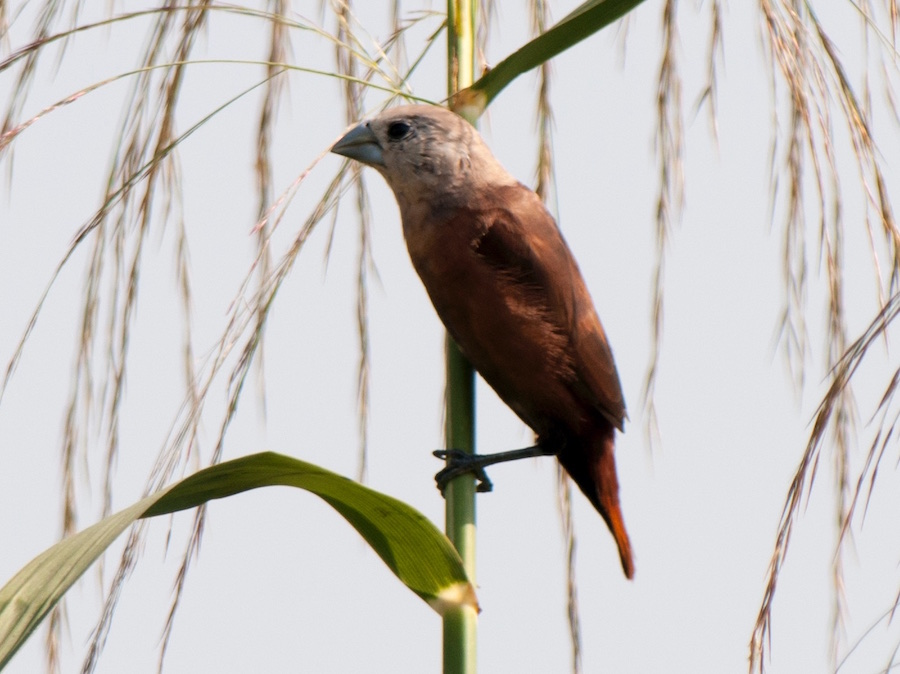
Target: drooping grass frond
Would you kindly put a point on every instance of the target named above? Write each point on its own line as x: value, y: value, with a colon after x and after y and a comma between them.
x: 276, y: 84
x: 240, y: 340
x: 353, y: 102
x: 806, y: 63
x: 47, y: 18
x: 670, y: 198
x: 828, y: 409
x: 81, y: 408
x: 813, y: 75
x: 540, y: 20
x: 4, y: 26
x: 715, y: 55
x: 143, y: 190
x: 249, y: 313
x: 355, y: 86
x: 564, y: 505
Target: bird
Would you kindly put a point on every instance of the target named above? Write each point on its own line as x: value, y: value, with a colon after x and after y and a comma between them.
x: 508, y: 290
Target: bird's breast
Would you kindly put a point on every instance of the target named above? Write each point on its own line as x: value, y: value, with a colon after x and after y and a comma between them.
x: 502, y: 329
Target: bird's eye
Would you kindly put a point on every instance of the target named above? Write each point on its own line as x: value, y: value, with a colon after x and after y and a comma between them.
x: 398, y: 130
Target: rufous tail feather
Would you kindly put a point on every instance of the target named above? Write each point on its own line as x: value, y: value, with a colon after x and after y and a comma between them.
x: 591, y: 463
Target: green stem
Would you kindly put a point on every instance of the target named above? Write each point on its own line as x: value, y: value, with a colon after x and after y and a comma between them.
x: 460, y: 44
x: 460, y: 625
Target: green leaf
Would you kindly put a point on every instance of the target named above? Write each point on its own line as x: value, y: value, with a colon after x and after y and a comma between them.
x: 418, y: 554
x: 582, y: 22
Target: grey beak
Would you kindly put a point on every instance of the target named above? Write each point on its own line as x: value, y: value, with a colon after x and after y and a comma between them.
x: 361, y: 144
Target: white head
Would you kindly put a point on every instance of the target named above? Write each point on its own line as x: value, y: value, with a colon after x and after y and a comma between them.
x: 425, y: 153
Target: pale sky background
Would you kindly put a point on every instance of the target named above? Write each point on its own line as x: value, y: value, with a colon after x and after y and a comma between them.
x: 282, y: 584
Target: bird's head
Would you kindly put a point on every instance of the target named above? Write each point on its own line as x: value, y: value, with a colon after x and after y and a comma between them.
x: 425, y: 153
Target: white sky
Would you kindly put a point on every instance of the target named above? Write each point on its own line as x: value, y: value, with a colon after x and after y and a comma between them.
x: 282, y: 584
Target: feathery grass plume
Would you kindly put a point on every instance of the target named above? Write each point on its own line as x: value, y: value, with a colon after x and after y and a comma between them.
x: 540, y: 19
x: 355, y: 86
x: 261, y: 304
x: 275, y: 88
x: 240, y: 341
x: 145, y: 149
x: 4, y: 27
x: 670, y: 198
x: 715, y: 54
x: 353, y: 102
x: 828, y: 409
x: 143, y: 166
x: 47, y: 17
x: 246, y: 323
x: 801, y: 52
x: 146, y: 135
x: 564, y: 505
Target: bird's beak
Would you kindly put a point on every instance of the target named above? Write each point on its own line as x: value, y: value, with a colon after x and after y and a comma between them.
x: 361, y: 144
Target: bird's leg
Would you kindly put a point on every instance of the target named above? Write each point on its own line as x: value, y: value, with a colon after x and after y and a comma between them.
x: 460, y: 463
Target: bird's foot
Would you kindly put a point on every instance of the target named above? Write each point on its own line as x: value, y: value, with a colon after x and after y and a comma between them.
x: 460, y: 463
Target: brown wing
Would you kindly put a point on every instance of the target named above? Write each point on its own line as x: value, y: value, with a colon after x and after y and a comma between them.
x: 523, y: 242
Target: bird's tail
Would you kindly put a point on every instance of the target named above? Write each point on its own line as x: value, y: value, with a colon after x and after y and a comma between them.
x: 591, y: 463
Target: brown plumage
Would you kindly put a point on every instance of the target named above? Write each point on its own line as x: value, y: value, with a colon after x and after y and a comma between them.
x: 507, y: 288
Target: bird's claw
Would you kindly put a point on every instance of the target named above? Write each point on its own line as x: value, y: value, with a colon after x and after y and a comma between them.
x: 460, y: 463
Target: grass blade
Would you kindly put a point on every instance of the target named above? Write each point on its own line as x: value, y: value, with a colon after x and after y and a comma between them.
x: 581, y: 23
x: 417, y: 552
